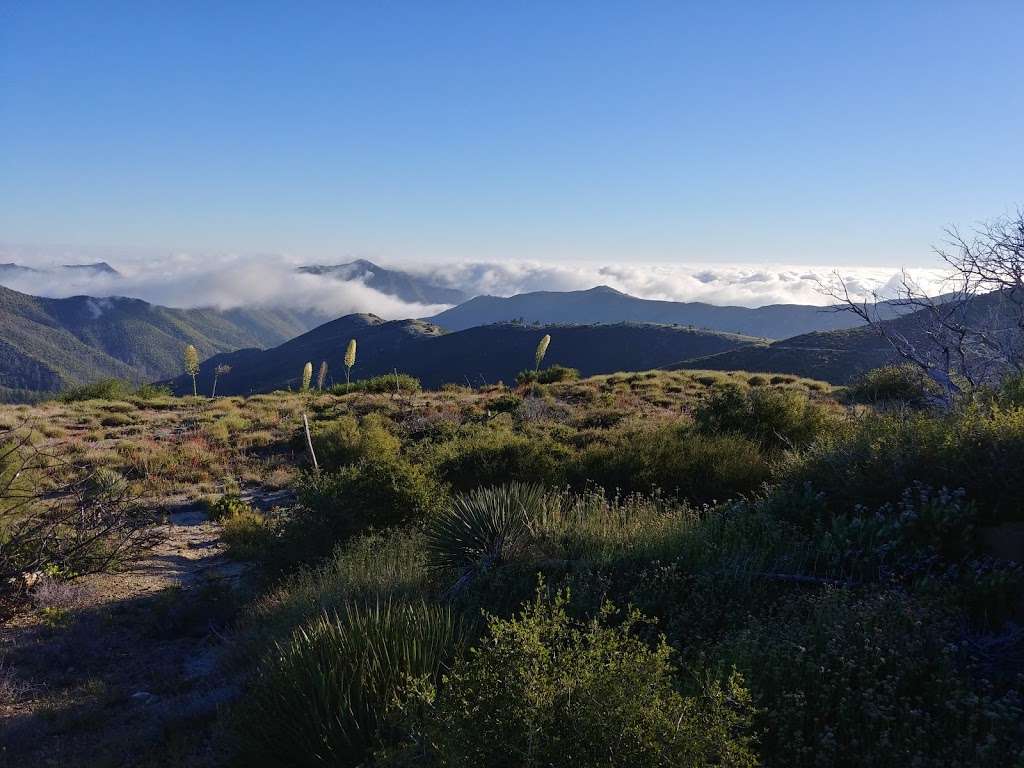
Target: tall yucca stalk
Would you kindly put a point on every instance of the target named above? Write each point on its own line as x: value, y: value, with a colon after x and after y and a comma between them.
x: 321, y: 377
x: 322, y: 698
x: 307, y: 376
x: 542, y: 349
x: 192, y: 366
x: 350, y: 360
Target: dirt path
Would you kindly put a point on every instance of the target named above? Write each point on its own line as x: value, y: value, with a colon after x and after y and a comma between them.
x: 125, y: 669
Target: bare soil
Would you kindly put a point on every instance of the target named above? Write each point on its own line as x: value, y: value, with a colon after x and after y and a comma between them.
x: 126, y: 669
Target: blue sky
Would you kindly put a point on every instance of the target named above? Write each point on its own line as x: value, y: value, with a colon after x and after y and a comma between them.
x: 625, y: 132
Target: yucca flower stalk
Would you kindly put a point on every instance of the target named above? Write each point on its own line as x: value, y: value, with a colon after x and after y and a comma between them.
x: 542, y: 349
x: 192, y: 366
x: 350, y: 360
x: 321, y: 377
x: 221, y: 370
x: 307, y: 376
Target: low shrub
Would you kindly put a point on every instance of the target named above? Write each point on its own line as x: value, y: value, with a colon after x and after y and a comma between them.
x: 675, y: 459
x: 247, y: 534
x: 551, y: 375
x: 904, y: 383
x: 226, y: 506
x: 388, y: 383
x: 345, y: 441
x: 104, y: 389
x: 492, y: 454
x: 544, y: 690
x: 776, y: 418
x: 372, y: 493
x: 844, y: 680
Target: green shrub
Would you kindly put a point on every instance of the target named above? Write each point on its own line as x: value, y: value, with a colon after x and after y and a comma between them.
x: 323, y: 698
x: 116, y: 420
x: 776, y: 418
x: 551, y: 375
x: 226, y: 506
x: 675, y: 459
x: 345, y: 441
x: 506, y: 402
x: 372, y: 493
x: 842, y: 680
x: 545, y: 690
x: 483, y: 528
x: 388, y: 383
x: 247, y: 534
x: 493, y: 454
x: 894, y: 383
x: 872, y: 461
x: 104, y: 389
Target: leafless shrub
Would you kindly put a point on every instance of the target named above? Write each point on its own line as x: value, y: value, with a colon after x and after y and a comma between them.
x: 60, y: 518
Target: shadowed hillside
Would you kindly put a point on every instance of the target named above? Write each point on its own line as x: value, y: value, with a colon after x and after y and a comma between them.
x: 481, y: 355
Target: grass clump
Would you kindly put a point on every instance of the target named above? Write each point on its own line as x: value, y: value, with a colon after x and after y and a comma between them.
x: 324, y: 697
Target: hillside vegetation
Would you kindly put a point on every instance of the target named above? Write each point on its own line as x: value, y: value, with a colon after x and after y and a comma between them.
x: 50, y: 344
x: 635, y: 569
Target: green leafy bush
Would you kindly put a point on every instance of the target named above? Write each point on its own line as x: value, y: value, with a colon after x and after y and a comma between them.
x: 675, y: 459
x: 388, y: 383
x: 872, y: 461
x: 345, y: 441
x: 843, y: 680
x: 776, y: 418
x: 904, y: 383
x: 545, y: 690
x: 323, y: 698
x: 104, y: 389
x: 493, y: 454
x: 551, y: 375
x: 247, y: 534
x: 372, y: 493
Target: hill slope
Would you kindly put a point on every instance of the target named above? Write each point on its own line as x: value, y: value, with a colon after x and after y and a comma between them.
x: 477, y: 355
x: 47, y: 344
x: 606, y: 305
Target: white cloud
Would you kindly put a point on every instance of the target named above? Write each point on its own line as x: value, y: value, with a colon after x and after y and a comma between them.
x: 228, y: 281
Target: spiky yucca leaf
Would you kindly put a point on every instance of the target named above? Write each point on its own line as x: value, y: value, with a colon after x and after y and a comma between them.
x: 484, y: 527
x: 321, y: 698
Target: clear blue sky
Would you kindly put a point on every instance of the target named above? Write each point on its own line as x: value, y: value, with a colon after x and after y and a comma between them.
x: 825, y: 132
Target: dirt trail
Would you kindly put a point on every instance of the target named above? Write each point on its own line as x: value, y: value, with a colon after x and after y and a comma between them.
x: 126, y: 669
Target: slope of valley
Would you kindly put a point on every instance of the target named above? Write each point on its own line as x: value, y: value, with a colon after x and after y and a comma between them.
x: 49, y: 344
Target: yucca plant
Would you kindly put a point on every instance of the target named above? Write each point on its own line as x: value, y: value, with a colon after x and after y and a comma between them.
x: 321, y: 699
x: 307, y: 376
x: 483, y: 528
x: 350, y: 360
x: 192, y: 366
x: 321, y: 376
x: 542, y: 349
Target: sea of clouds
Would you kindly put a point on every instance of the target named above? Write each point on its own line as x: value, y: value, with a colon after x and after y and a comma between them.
x: 228, y: 281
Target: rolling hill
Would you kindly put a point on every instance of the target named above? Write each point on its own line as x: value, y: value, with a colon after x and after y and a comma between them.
x: 481, y: 355
x: 607, y: 305
x: 48, y: 344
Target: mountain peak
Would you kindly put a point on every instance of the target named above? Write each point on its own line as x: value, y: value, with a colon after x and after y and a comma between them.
x: 605, y: 289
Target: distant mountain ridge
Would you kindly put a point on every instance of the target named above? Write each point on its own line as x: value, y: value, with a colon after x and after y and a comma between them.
x: 603, y: 304
x: 11, y: 269
x: 48, y: 344
x: 402, y: 285
x: 481, y: 355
